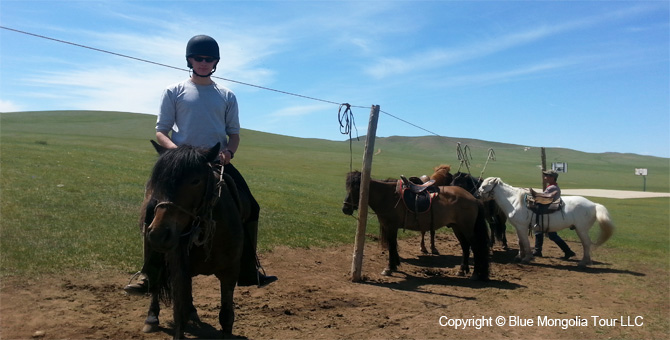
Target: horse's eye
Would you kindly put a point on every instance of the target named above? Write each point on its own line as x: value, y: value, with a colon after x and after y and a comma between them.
x: 195, y: 181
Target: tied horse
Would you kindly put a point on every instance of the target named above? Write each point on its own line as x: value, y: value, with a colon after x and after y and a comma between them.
x: 452, y: 207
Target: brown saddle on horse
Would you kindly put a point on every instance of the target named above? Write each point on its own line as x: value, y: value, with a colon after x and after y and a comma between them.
x: 541, y: 203
x: 417, y: 197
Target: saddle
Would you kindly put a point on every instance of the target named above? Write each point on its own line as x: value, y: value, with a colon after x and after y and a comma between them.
x: 416, y: 196
x: 541, y: 203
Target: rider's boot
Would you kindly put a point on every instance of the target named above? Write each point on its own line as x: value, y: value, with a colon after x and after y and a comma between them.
x: 251, y: 273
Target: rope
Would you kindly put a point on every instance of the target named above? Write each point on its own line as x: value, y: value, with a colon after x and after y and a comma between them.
x: 464, y: 156
x: 491, y: 157
x: 346, y: 119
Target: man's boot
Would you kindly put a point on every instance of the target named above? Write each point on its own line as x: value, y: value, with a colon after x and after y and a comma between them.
x: 539, y: 240
x: 249, y: 264
x: 564, y: 247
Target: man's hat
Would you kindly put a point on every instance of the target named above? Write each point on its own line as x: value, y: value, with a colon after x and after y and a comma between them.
x: 551, y: 173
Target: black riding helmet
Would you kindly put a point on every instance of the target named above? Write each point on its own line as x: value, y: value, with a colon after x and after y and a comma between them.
x: 202, y: 45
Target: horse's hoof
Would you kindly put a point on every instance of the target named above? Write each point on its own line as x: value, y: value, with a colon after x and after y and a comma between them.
x: 477, y: 277
x: 583, y: 265
x: 387, y: 272
x: 525, y: 261
x: 461, y: 273
x: 435, y: 252
x: 150, y: 328
x: 424, y: 251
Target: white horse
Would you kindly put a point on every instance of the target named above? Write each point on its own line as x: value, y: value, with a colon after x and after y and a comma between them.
x: 577, y: 212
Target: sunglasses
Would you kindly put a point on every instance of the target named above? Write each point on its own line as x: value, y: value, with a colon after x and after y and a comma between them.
x: 201, y: 59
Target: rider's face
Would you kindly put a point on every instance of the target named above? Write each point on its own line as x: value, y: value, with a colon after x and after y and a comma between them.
x: 203, y: 64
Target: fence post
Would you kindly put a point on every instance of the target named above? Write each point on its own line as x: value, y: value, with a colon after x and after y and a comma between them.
x: 359, y: 243
x: 544, y: 167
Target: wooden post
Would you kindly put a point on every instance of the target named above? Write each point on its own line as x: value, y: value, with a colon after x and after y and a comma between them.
x: 359, y: 244
x: 544, y: 167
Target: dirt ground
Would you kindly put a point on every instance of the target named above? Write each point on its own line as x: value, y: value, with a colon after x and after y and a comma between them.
x: 315, y: 299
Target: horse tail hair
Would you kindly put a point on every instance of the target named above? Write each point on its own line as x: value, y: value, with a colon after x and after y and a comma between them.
x: 383, y: 236
x: 606, y: 224
x: 480, y: 246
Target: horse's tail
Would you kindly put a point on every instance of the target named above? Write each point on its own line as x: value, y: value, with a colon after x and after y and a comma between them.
x: 606, y: 224
x: 480, y: 245
x: 383, y: 236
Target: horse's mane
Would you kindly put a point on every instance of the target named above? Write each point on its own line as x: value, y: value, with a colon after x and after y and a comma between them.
x: 354, y: 179
x: 173, y: 166
x: 442, y: 175
x: 444, y: 167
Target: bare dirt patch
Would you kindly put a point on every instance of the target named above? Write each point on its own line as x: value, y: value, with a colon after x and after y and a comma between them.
x: 314, y: 299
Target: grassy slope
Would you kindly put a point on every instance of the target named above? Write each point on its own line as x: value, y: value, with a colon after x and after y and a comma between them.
x: 72, y: 183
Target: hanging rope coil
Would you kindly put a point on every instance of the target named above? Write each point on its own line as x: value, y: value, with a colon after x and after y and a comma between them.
x: 464, y: 156
x: 491, y: 157
x: 346, y: 120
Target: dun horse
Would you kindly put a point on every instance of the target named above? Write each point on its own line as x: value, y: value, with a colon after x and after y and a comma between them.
x: 192, y: 226
x: 453, y: 207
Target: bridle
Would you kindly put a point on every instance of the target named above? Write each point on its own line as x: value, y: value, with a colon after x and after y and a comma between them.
x: 353, y: 206
x: 490, y: 192
x: 203, y: 213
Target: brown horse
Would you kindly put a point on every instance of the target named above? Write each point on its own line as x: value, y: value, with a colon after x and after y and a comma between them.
x: 191, y: 221
x: 453, y: 207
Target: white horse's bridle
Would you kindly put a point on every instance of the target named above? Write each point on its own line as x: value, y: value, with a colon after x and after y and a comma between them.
x: 489, y: 193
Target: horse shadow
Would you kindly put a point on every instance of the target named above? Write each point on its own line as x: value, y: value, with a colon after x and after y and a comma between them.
x: 198, y: 330
x: 424, y: 263
x: 503, y: 256
x: 571, y: 265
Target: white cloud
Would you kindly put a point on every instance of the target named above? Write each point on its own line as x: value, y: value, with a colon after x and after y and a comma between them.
x: 9, y: 106
x: 298, y: 111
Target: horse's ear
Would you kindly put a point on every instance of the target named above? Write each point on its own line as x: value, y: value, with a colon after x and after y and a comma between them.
x: 159, y: 148
x: 213, y: 153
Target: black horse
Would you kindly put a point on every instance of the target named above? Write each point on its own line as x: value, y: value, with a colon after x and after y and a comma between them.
x: 191, y: 220
x: 495, y: 217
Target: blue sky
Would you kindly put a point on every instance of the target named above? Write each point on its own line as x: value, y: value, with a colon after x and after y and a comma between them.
x: 592, y: 76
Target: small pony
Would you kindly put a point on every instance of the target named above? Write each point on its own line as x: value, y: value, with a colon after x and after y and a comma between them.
x: 191, y: 221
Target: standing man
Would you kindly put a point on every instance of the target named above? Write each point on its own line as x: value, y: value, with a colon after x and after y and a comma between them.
x: 201, y: 113
x: 554, y: 191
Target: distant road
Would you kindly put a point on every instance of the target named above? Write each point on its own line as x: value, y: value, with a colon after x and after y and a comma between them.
x: 622, y: 194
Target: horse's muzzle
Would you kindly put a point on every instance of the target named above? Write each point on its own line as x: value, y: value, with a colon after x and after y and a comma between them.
x: 162, y: 239
x: 348, y: 208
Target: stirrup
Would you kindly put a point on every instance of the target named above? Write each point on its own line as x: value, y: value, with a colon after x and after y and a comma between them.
x: 134, y: 277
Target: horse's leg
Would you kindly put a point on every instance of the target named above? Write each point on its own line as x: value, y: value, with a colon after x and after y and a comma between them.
x: 492, y: 240
x: 227, y: 312
x: 503, y: 237
x: 394, y: 258
x: 525, y: 255
x: 181, y: 290
x: 423, y: 243
x: 465, y: 249
x: 433, y: 250
x: 583, y: 233
x: 151, y: 322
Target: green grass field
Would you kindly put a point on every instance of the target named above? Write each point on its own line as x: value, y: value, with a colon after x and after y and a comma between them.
x: 72, y: 183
